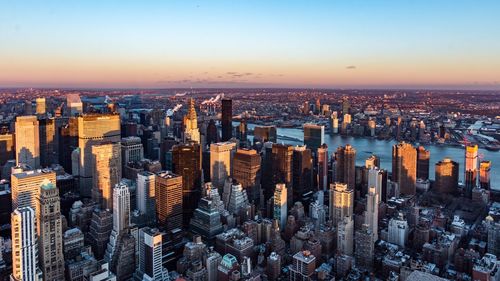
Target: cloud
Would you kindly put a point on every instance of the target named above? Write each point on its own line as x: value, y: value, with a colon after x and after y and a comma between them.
x: 351, y: 67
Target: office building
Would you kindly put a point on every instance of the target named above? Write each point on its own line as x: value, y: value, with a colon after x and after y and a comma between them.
x: 24, y: 245
x: 322, y: 169
x: 371, y: 213
x: 345, y: 236
x: 364, y: 247
x: 334, y: 124
x: 264, y: 134
x: 280, y: 212
x: 132, y: 150
x: 186, y: 162
x: 302, y: 171
x: 398, y: 230
x: 446, y: 179
x: 47, y: 134
x: 246, y: 171
x: 314, y: 136
x: 212, y: 135
x: 341, y: 202
x: 146, y: 203
x: 169, y: 203
x: 372, y: 162
x: 236, y: 199
x: 107, y: 172
x: 423, y: 158
x: 206, y: 220
x: 100, y: 229
x: 191, y: 131
x: 25, y: 187
x: 303, y: 266
x: 345, y: 166
x: 49, y: 222
x: 27, y: 141
x: 40, y: 106
x: 221, y: 155
x: 212, y: 260
x: 93, y: 129
x: 7, y: 149
x: 484, y: 174
x: 227, y: 119
x: 471, y: 166
x: 150, y: 256
x: 404, y: 170
x: 282, y: 156
x: 74, y: 104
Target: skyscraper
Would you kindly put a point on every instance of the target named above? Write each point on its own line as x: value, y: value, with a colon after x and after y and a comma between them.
x: 423, y: 158
x: 74, y: 104
x: 40, y: 106
x: 264, y: 134
x: 371, y: 213
x: 378, y: 178
x: 282, y: 167
x: 132, y: 150
x: 146, y: 203
x: 27, y: 141
x: 246, y: 171
x: 47, y: 134
x: 471, y: 166
x: 94, y: 129
x: 404, y: 169
x: 150, y: 255
x: 345, y: 159
x: 227, y: 119
x: 345, y: 236
x: 302, y: 169
x: 484, y: 174
x: 280, y: 204
x: 314, y: 136
x: 446, y: 179
x: 168, y: 195
x: 49, y: 224
x: 24, y: 245
x: 191, y: 131
x: 364, y: 250
x: 107, y: 172
x: 186, y: 162
x: 26, y: 185
x: 398, y: 230
x: 121, y: 208
x: 221, y: 154
x: 341, y: 202
x: 212, y: 133
x: 322, y: 156
x: 303, y: 266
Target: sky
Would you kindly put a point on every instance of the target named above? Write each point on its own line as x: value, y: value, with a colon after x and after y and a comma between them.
x: 451, y: 44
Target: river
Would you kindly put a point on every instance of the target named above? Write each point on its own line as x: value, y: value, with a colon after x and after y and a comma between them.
x: 383, y: 149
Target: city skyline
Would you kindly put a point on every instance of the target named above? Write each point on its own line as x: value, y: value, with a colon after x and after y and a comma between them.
x: 223, y: 44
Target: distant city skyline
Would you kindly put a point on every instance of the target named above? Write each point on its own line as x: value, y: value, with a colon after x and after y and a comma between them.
x: 248, y: 44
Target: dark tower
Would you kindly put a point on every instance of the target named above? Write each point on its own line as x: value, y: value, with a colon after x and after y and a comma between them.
x: 227, y: 119
x: 186, y: 162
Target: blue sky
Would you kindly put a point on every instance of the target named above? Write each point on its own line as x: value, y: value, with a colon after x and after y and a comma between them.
x: 250, y: 43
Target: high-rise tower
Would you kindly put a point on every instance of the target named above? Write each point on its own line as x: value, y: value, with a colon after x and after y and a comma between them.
x: 341, y: 202
x: 27, y: 141
x: 24, y: 245
x: 186, y: 162
x: 169, y: 203
x: 107, y: 172
x: 471, y: 166
x: 227, y: 119
x: 49, y: 226
x: 345, y: 159
x: 191, y: 131
x: 93, y: 129
x: 404, y: 167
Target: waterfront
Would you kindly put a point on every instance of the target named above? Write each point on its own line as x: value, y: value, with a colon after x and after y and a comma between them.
x: 383, y: 149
